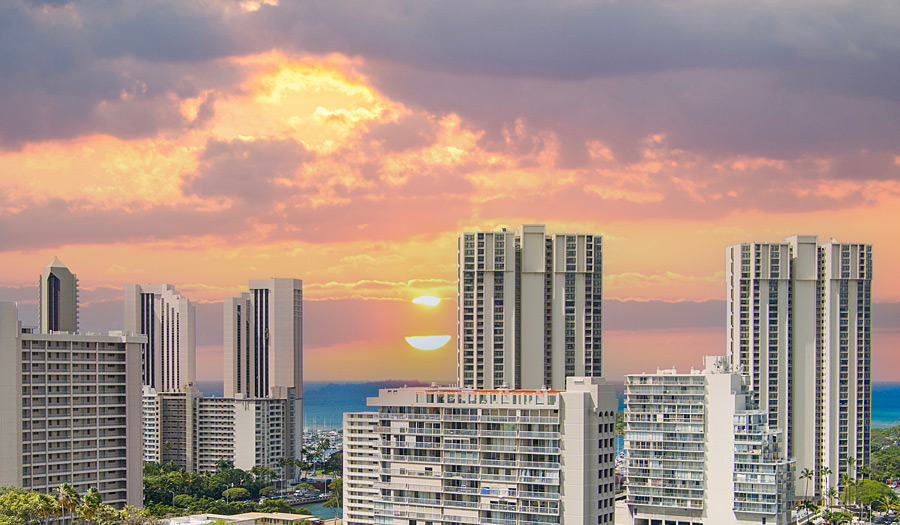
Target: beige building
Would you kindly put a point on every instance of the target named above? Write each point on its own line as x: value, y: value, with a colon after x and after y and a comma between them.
x: 71, y: 411
x: 167, y: 318
x: 247, y: 518
x: 451, y: 455
x: 195, y: 432
x: 529, y: 308
x: 263, y: 346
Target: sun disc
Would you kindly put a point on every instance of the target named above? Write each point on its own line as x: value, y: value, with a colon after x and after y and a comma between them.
x: 428, y: 342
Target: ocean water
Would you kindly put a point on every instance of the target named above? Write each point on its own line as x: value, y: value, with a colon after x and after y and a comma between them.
x: 885, y: 405
x: 324, y: 404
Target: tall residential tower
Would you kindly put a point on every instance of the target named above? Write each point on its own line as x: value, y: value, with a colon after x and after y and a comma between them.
x: 264, y: 348
x: 167, y: 319
x: 529, y: 308
x: 264, y: 338
x: 799, y: 326
x: 58, y: 299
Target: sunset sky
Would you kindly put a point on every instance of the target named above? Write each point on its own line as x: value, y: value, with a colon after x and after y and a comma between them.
x: 348, y: 143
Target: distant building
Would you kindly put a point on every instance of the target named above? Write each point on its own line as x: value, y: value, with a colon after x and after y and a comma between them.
x: 195, y: 432
x: 452, y: 455
x: 264, y: 338
x: 264, y: 346
x: 529, y: 308
x: 58, y: 301
x: 167, y: 318
x: 699, y: 453
x: 799, y: 327
x: 71, y: 410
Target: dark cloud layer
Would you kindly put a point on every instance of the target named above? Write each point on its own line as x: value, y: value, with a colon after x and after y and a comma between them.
x: 247, y: 171
x: 750, y: 77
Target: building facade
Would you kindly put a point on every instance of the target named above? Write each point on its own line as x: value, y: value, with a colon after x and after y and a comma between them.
x: 698, y: 452
x: 195, y: 432
x: 264, y: 338
x: 451, y: 455
x: 799, y: 327
x: 167, y: 318
x: 71, y: 411
x: 263, y: 346
x: 58, y: 299
x: 529, y: 308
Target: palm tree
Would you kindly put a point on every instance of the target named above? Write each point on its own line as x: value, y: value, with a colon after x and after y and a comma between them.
x: 806, y: 474
x: 810, y: 508
x: 827, y: 473
x: 285, y: 463
x: 90, y: 505
x: 832, y: 493
x: 48, y: 507
x: 68, y: 499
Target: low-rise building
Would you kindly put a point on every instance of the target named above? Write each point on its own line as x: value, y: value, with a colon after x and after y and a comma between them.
x: 451, y: 455
x: 247, y: 518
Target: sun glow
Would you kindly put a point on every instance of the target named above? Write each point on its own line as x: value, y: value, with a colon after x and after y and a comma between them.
x: 428, y: 342
x: 427, y: 300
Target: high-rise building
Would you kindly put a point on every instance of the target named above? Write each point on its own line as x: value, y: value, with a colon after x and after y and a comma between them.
x: 799, y: 327
x: 58, y: 301
x: 698, y: 452
x: 167, y: 318
x: 264, y: 338
x: 529, y: 308
x: 451, y: 455
x: 264, y: 347
x: 71, y: 411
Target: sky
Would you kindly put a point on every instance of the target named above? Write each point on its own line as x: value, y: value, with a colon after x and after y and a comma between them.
x: 348, y: 143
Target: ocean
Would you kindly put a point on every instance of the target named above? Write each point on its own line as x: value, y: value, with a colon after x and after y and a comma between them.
x: 885, y: 405
x: 324, y: 404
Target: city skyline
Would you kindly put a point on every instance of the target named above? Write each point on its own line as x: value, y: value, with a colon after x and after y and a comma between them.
x: 205, y: 145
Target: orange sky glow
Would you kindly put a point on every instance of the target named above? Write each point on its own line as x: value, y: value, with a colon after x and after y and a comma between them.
x: 353, y: 164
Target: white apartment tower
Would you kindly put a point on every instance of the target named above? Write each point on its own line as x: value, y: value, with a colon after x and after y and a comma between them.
x: 71, y: 411
x: 506, y: 457
x: 699, y: 453
x: 799, y: 327
x: 58, y: 299
x: 167, y: 318
x: 529, y: 308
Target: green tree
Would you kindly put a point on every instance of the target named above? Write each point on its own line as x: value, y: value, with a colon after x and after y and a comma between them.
x: 335, y: 499
x: 835, y: 518
x: 67, y: 499
x: 236, y: 493
x: 183, y: 501
x: 19, y: 506
x: 334, y: 464
x: 832, y: 494
x: 90, y: 506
